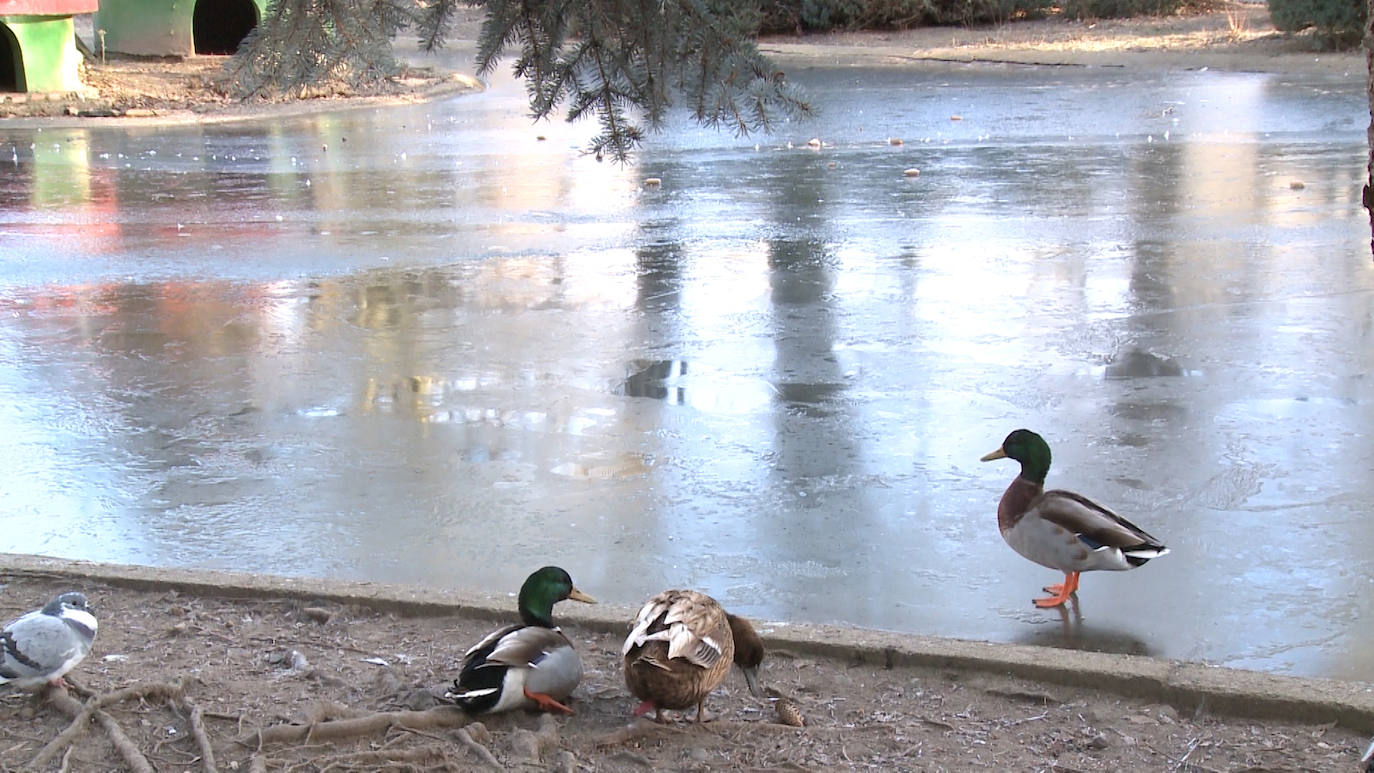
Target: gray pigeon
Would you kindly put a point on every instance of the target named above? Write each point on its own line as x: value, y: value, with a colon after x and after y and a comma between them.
x: 42, y: 645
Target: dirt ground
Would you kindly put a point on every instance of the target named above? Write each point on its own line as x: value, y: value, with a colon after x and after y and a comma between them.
x: 190, y: 89
x: 256, y: 673
x: 1232, y: 36
x: 1237, y: 36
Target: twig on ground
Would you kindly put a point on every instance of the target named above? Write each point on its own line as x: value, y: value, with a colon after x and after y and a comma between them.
x: 1023, y: 720
x: 1192, y: 746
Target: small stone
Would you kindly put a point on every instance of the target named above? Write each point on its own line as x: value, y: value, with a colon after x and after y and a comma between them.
x: 651, y: 182
x: 814, y: 142
x: 912, y: 172
x: 894, y: 140
x: 1099, y: 742
x: 525, y: 744
x: 479, y: 733
x: 318, y: 614
x: 566, y: 762
x: 1297, y: 185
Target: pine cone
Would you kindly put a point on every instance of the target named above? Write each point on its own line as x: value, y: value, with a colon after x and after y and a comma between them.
x: 789, y: 713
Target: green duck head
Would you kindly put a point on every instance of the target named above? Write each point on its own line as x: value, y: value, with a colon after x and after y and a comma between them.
x: 542, y: 590
x: 1029, y: 449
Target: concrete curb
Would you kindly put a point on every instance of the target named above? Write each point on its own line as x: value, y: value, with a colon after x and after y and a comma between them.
x: 1188, y: 687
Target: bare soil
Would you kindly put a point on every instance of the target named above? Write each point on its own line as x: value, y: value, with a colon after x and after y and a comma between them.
x: 1229, y: 35
x: 257, y: 673
x: 193, y: 89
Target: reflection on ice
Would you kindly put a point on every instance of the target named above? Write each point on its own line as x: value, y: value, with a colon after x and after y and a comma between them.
x: 444, y: 349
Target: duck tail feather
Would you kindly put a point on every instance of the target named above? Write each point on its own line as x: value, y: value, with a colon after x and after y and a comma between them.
x: 1139, y: 554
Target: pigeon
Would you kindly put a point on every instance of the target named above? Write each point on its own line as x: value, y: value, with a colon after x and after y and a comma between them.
x: 43, y: 645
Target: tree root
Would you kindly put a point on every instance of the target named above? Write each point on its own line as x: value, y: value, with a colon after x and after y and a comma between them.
x: 132, y: 756
x: 375, y: 760
x: 197, y: 720
x: 481, y: 751
x: 81, y: 715
x: 533, y: 744
x: 635, y: 731
x: 334, y: 730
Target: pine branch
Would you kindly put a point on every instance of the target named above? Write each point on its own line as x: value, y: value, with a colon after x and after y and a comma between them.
x: 622, y: 61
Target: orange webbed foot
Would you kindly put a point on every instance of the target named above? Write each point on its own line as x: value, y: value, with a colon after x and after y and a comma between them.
x: 546, y: 703
x: 1062, y: 591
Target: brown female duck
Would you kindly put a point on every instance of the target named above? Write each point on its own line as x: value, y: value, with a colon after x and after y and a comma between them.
x: 680, y: 648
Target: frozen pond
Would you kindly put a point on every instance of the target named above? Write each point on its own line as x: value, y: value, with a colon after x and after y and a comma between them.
x: 435, y: 345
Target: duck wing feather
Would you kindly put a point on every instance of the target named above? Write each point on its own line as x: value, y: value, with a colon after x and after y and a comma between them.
x: 527, y: 646
x: 690, y: 622
x: 1094, y: 523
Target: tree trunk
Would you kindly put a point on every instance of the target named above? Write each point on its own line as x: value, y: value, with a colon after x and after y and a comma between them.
x: 1369, y: 83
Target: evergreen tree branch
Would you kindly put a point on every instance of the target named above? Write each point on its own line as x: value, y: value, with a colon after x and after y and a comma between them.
x: 622, y: 61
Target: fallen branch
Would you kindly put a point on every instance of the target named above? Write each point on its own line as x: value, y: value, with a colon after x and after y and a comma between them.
x: 334, y: 730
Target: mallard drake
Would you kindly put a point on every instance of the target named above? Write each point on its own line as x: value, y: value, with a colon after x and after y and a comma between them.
x: 41, y: 646
x: 1061, y: 529
x: 528, y: 665
x: 680, y: 648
